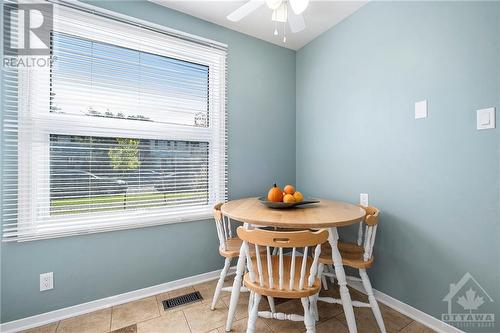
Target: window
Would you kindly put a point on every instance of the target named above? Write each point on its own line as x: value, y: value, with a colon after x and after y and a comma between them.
x: 125, y: 129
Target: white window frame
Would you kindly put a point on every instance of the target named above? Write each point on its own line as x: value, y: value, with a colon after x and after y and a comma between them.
x: 37, y: 124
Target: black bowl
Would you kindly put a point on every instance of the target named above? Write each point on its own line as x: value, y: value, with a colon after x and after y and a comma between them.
x: 283, y: 205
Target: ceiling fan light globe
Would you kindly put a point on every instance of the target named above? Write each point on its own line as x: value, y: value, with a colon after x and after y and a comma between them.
x: 273, y: 4
x: 298, y: 6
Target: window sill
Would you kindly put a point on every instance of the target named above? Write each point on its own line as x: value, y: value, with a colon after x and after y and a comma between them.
x: 201, y: 214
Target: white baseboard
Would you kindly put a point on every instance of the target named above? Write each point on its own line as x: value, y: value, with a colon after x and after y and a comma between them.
x: 409, y: 311
x: 76, y: 310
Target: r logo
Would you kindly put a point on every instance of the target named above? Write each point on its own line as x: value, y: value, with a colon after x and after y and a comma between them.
x: 27, y: 29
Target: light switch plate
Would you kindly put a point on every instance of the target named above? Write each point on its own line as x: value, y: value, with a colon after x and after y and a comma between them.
x: 485, y: 118
x: 421, y: 109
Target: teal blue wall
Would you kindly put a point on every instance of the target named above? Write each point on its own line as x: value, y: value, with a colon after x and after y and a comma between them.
x: 436, y: 180
x: 261, y: 110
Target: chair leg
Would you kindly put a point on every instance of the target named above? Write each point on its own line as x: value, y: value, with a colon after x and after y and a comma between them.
x: 321, y: 267
x: 314, y: 306
x: 235, y: 290
x: 220, y: 283
x: 271, y: 304
x: 250, y: 302
x: 371, y: 298
x: 324, y: 283
x: 252, y: 316
x: 309, y: 321
x: 331, y: 270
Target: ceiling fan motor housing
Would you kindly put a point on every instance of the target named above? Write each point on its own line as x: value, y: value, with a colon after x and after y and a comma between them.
x: 274, y: 4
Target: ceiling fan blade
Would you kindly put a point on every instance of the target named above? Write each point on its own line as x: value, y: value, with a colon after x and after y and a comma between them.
x: 296, y: 22
x: 298, y: 6
x: 244, y: 10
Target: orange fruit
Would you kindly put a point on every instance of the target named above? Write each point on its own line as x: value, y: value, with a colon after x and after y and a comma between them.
x: 288, y: 198
x: 289, y: 189
x: 298, y: 196
x: 275, y: 194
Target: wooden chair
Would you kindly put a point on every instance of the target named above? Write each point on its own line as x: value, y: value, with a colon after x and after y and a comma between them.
x: 282, y: 276
x: 229, y: 248
x: 359, y: 256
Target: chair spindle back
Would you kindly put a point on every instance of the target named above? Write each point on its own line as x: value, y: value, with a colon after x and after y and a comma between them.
x: 369, y: 224
x: 284, y: 240
x: 223, y: 224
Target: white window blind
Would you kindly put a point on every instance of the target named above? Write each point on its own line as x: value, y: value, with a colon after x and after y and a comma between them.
x: 125, y: 129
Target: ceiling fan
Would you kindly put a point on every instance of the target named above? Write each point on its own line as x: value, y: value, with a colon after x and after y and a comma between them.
x: 280, y: 13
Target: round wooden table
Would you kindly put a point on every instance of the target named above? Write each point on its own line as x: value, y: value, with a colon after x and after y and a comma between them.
x: 325, y: 214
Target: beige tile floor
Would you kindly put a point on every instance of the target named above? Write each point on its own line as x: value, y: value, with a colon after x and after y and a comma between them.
x: 147, y: 316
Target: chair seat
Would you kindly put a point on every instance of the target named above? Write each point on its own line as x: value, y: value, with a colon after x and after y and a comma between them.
x: 286, y: 292
x: 232, y: 248
x: 352, y: 255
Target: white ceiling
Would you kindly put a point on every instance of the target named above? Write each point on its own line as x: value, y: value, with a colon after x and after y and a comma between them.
x: 319, y: 16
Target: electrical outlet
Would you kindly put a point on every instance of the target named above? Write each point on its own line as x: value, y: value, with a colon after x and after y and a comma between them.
x: 46, y: 281
x: 363, y: 199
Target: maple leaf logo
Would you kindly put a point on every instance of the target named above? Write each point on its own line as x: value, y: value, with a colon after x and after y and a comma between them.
x: 470, y: 301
